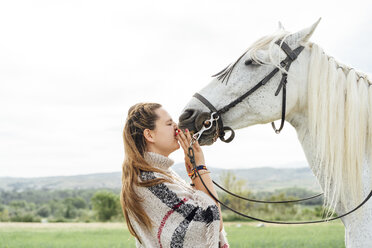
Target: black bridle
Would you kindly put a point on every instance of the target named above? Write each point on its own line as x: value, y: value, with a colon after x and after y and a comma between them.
x: 285, y: 64
x: 216, y: 117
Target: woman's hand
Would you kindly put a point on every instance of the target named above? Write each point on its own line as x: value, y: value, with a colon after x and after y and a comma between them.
x: 185, y: 140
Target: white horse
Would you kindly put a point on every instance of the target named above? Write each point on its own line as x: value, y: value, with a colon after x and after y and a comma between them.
x: 329, y: 105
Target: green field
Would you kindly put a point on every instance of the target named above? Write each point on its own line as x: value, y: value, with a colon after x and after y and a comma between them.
x: 100, y: 235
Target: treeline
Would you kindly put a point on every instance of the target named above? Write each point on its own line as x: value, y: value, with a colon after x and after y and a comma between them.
x: 90, y: 205
x: 60, y: 205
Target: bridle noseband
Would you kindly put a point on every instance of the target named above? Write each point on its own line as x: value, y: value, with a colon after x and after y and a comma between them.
x: 285, y: 64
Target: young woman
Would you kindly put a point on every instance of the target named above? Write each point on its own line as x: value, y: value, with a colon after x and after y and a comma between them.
x: 160, y: 208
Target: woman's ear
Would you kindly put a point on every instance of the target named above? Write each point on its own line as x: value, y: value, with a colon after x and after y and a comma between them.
x: 149, y: 135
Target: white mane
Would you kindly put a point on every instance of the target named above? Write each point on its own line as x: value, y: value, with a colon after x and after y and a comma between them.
x: 340, y: 124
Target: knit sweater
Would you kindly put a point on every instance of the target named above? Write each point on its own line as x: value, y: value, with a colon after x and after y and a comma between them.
x: 181, y: 215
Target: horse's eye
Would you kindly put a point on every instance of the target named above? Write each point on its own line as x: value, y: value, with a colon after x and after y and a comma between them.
x: 248, y: 62
x: 252, y: 62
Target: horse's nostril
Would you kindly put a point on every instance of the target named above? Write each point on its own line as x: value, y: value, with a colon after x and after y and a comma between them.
x: 186, y: 115
x: 202, y: 120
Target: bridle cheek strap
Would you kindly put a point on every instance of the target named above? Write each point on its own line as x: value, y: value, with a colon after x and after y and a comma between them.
x: 283, y: 82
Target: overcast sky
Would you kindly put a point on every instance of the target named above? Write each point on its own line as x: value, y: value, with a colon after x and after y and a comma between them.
x: 69, y: 71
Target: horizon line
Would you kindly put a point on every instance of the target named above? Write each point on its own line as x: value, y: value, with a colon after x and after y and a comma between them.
x: 176, y: 164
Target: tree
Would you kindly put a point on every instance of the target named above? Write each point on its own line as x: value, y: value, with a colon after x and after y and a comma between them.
x: 43, y: 211
x: 4, y: 214
x: 70, y: 212
x: 106, y: 204
x: 238, y: 186
x: 77, y: 202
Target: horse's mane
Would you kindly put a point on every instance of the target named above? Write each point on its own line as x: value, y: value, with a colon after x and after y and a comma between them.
x: 340, y: 124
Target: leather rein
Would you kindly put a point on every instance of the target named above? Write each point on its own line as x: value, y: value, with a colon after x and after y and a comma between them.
x: 216, y: 118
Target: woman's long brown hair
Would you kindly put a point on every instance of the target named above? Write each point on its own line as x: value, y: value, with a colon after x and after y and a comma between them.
x: 141, y: 116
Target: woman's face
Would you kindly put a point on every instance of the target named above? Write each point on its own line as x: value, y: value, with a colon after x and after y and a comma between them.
x: 163, y: 137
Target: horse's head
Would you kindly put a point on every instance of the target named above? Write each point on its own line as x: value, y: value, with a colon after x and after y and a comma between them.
x: 236, y: 94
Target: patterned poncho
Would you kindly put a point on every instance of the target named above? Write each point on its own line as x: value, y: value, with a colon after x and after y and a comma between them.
x: 181, y: 215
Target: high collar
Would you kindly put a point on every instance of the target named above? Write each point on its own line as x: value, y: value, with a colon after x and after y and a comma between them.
x: 157, y: 160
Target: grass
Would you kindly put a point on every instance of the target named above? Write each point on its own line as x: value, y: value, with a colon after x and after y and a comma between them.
x: 70, y: 235
x: 327, y: 235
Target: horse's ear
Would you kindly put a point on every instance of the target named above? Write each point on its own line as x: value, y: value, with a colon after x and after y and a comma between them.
x: 281, y: 27
x: 304, y: 34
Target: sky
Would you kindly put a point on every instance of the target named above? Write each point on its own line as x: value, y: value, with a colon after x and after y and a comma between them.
x: 70, y: 70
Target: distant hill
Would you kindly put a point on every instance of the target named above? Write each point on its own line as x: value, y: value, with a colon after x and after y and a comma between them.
x: 258, y: 179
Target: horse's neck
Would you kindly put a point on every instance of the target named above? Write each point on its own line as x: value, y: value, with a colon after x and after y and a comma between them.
x: 300, y: 122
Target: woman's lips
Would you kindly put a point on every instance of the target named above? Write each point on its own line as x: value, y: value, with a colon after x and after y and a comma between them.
x: 176, y: 133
